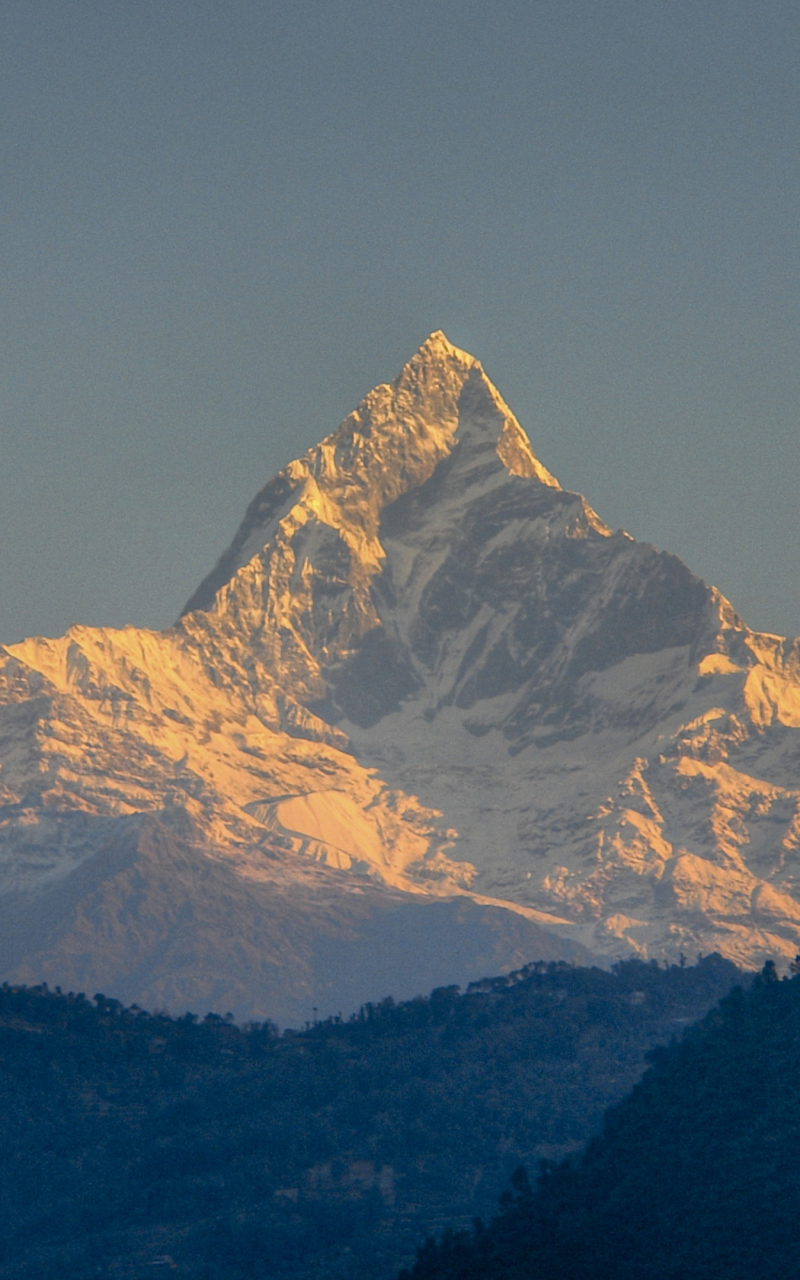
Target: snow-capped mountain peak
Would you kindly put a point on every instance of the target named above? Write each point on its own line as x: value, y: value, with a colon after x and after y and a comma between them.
x: 422, y: 664
x: 390, y: 444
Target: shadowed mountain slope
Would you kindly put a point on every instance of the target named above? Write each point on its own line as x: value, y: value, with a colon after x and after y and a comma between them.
x: 154, y: 920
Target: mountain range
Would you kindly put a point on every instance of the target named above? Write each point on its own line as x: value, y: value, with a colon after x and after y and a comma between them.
x: 428, y: 718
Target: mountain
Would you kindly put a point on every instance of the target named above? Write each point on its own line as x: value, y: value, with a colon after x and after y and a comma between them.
x: 168, y: 923
x: 423, y: 673
x: 695, y: 1177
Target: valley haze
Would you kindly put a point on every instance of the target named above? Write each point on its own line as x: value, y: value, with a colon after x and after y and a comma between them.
x: 428, y: 718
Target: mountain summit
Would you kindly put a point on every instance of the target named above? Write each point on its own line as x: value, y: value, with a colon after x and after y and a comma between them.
x: 390, y: 444
x: 424, y: 669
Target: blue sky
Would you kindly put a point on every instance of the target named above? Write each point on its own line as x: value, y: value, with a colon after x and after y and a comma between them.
x: 220, y: 225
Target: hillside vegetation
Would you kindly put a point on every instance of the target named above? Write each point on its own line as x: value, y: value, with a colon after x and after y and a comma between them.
x: 696, y: 1174
x: 333, y: 1151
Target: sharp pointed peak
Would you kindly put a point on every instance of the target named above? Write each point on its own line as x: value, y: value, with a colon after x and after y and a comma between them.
x: 390, y: 443
x: 438, y: 338
x: 437, y: 344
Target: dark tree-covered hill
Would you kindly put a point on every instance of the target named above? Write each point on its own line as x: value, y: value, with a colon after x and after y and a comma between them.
x: 696, y: 1175
x: 129, y: 1140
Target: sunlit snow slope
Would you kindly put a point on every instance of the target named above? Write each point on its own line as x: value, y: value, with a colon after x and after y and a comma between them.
x: 423, y: 665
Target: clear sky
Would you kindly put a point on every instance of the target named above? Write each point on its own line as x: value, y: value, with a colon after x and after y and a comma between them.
x: 222, y: 223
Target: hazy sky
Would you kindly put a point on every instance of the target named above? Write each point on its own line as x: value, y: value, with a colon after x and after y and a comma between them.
x: 222, y: 223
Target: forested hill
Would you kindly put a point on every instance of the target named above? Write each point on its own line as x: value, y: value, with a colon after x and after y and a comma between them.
x: 129, y: 1138
x: 696, y: 1175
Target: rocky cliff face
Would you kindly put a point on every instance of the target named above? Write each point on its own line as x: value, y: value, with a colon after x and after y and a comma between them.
x: 423, y: 665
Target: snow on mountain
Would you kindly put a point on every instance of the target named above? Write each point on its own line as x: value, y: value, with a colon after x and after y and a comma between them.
x: 423, y: 665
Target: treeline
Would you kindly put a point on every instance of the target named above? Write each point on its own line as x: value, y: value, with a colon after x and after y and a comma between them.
x: 696, y: 1175
x: 130, y: 1137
